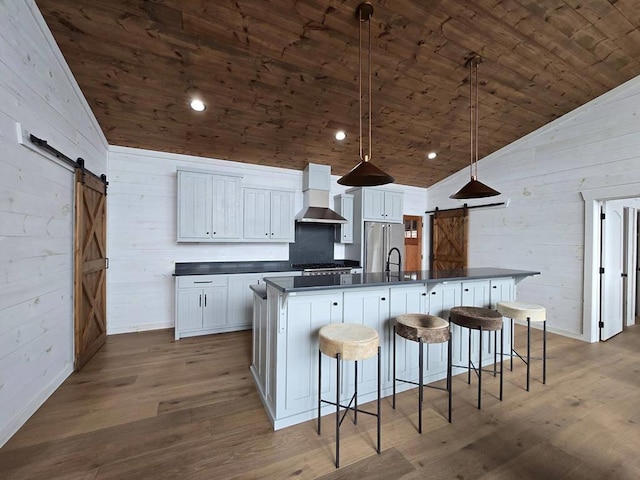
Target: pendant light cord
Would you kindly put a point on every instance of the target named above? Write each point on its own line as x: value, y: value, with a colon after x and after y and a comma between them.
x: 471, y: 129
x: 361, y: 20
x: 360, y: 78
x: 477, y: 115
x: 369, y: 74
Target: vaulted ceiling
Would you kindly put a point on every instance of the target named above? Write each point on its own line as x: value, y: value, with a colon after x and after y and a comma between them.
x: 279, y: 77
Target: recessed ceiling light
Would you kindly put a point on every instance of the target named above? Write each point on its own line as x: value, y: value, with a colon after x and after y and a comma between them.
x: 431, y: 155
x: 198, y: 105
x: 340, y: 135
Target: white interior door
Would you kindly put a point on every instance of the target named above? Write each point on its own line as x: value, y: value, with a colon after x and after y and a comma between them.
x: 611, y: 292
x: 630, y: 241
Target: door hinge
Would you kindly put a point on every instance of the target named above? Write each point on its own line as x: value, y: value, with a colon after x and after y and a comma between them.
x: 600, y: 324
x: 601, y: 269
x: 602, y: 216
x: 623, y: 275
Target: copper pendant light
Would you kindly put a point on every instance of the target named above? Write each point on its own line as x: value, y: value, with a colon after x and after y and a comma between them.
x: 365, y: 173
x: 475, y: 188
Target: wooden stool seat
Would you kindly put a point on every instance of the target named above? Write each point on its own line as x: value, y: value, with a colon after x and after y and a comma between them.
x: 522, y: 311
x: 428, y: 328
x: 476, y: 318
x: 352, y: 341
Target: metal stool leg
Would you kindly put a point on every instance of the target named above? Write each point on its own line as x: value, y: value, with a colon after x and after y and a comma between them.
x: 469, y: 359
x: 512, y: 347
x: 394, y: 368
x: 528, y: 350
x: 378, y: 413
x: 501, y: 358
x: 480, y: 371
x: 449, y: 382
x: 337, y: 410
x: 319, y: 388
x: 420, y: 386
x: 355, y: 397
x: 544, y: 352
x: 495, y: 352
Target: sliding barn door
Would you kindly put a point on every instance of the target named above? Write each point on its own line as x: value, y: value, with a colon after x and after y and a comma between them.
x: 90, y: 267
x: 449, y: 230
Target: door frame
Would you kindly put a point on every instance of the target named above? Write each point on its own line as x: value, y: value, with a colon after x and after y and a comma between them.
x: 591, y: 261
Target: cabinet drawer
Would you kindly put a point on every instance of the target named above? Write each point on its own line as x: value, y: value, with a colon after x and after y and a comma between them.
x: 202, y: 281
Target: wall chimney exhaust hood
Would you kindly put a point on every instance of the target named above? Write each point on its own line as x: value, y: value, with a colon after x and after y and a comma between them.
x: 316, y: 184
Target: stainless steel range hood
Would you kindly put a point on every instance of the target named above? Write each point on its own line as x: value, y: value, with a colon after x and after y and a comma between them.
x: 316, y: 184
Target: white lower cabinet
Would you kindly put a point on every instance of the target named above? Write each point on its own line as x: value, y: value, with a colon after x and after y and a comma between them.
x: 201, y: 305
x: 297, y: 359
x: 208, y: 304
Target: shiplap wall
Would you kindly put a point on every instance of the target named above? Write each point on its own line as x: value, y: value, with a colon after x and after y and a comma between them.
x: 37, y: 91
x: 142, y: 230
x: 543, y: 175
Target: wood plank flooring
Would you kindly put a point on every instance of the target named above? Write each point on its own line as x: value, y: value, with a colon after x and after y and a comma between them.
x: 146, y: 407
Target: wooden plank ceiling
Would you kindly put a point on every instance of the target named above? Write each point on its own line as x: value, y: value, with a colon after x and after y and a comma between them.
x: 279, y: 77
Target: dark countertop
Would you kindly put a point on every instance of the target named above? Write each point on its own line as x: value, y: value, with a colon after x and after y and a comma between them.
x: 327, y: 282
x: 221, y: 268
x: 259, y: 290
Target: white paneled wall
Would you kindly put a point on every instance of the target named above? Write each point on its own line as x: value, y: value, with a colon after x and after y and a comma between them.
x: 543, y: 175
x: 142, y: 231
x: 38, y: 92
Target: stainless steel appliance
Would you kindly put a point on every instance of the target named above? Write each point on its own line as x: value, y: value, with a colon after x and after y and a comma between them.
x: 309, y: 269
x: 379, y: 239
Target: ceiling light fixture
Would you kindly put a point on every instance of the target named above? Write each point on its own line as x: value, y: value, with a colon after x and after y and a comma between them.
x: 340, y: 135
x: 365, y: 173
x: 198, y: 105
x: 431, y: 155
x: 474, y: 189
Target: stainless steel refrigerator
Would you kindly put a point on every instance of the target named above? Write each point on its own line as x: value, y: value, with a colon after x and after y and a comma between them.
x: 379, y: 239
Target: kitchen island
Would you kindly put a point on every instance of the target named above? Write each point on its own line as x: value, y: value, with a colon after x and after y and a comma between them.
x: 285, y: 330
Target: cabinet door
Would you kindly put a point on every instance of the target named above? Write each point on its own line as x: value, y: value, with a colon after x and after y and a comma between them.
x: 298, y: 368
x: 344, y: 206
x: 189, y: 310
x: 214, y: 307
x: 367, y: 307
x: 393, y: 207
x: 443, y: 297
x: 476, y: 294
x: 240, y: 299
x: 227, y: 207
x: 256, y: 214
x: 195, y: 196
x: 282, y: 219
x: 372, y: 204
x: 502, y: 290
x: 406, y: 300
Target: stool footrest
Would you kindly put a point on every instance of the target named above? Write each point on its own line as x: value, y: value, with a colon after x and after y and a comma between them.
x: 435, y: 387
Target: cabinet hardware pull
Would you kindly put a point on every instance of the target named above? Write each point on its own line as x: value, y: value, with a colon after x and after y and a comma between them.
x: 466, y: 289
x: 335, y: 304
x: 205, y: 299
x: 383, y: 299
x: 424, y: 294
x: 433, y: 293
x: 208, y: 281
x: 495, y: 286
x: 200, y: 301
x: 267, y: 234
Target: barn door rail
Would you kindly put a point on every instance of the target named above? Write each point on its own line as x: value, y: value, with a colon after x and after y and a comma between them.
x: 466, y: 207
x: 76, y: 164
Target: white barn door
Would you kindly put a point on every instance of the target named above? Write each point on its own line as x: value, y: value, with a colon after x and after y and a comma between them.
x: 611, y: 287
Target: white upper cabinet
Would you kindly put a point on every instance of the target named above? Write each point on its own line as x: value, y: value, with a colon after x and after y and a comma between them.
x: 209, y: 207
x: 268, y: 215
x: 344, y: 206
x: 381, y: 205
x: 195, y: 203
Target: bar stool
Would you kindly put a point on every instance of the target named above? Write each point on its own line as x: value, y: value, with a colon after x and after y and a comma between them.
x: 531, y: 313
x: 422, y: 329
x: 347, y: 341
x: 481, y: 319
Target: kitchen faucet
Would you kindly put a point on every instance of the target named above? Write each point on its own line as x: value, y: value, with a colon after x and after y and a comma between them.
x: 387, y: 270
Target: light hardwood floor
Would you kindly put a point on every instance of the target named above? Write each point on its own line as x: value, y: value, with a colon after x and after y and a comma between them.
x: 146, y: 407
